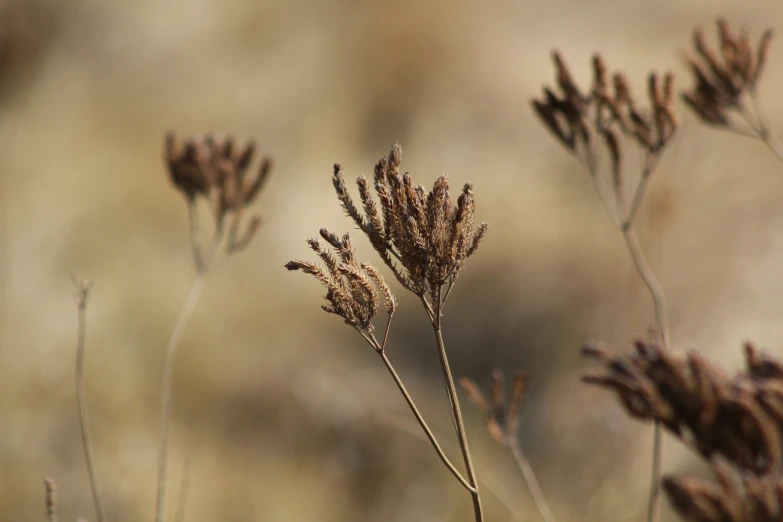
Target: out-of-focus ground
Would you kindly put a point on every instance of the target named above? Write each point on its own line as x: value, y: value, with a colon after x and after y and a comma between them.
x: 283, y: 414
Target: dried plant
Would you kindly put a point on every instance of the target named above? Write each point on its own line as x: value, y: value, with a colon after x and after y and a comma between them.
x: 501, y: 418
x: 735, y: 423
x: 725, y: 93
x: 738, y: 418
x: 82, y: 295
x: 431, y: 239
x: 586, y: 124
x: 215, y: 170
x: 735, y: 498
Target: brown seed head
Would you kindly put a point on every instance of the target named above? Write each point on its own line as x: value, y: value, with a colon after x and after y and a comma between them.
x: 351, y: 288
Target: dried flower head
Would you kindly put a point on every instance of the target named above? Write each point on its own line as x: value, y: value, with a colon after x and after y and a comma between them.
x: 217, y: 170
x: 735, y: 497
x: 739, y: 418
x: 352, y: 288
x: 725, y: 77
x: 424, y: 231
x: 500, y: 416
x: 581, y: 120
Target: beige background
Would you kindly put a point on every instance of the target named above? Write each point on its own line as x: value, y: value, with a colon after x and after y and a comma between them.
x: 283, y: 413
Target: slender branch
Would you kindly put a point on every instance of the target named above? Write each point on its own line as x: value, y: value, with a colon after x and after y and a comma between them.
x: 653, y: 507
x: 386, y: 332
x: 455, y: 408
x: 638, y: 196
x: 184, y: 490
x: 765, y: 133
x: 530, y: 477
x: 83, y: 290
x: 625, y: 224
x: 195, y: 235
x: 174, y: 341
x: 654, y: 287
x: 424, y: 426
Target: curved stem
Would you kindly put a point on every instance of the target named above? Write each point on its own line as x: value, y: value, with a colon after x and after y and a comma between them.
x: 81, y: 401
x: 174, y: 341
x: 455, y: 409
x: 423, y: 424
x: 654, y: 287
x: 532, y: 482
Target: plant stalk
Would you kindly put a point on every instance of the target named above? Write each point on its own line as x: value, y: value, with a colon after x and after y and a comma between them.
x: 81, y: 402
x: 455, y: 408
x: 165, y: 417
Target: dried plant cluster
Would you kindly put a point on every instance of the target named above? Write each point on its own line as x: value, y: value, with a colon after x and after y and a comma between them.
x: 725, y: 92
x: 582, y: 121
x: 723, y: 81
x: 352, y: 288
x: 216, y: 170
x: 735, y: 423
x: 501, y: 417
x: 739, y: 418
x: 429, y: 236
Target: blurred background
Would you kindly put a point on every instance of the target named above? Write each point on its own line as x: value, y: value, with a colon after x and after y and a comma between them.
x: 281, y: 412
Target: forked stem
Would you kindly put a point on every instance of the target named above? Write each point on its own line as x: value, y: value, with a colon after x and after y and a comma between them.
x: 83, y: 289
x: 454, y: 403
x: 627, y: 218
x: 423, y: 424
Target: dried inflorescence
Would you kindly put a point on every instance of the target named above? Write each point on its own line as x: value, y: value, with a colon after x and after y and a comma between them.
x: 424, y: 231
x: 579, y: 120
x: 735, y: 497
x: 723, y: 79
x: 738, y: 418
x: 501, y: 416
x: 352, y: 288
x: 216, y: 169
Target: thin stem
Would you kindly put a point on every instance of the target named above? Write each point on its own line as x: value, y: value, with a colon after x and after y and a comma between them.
x: 638, y: 196
x: 654, y: 287
x: 532, y: 482
x: 659, y: 305
x: 455, y: 409
x: 423, y: 424
x: 165, y: 402
x: 655, y: 488
x: 765, y: 133
x: 195, y: 235
x: 184, y: 490
x: 386, y: 332
x: 81, y: 401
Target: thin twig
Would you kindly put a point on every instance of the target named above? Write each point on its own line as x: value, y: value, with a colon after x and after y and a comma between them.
x: 455, y: 408
x: 530, y: 478
x: 165, y: 417
x: 195, y: 235
x: 765, y: 133
x: 82, y: 294
x: 184, y: 490
x: 653, y: 507
x: 423, y: 424
x: 659, y: 306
